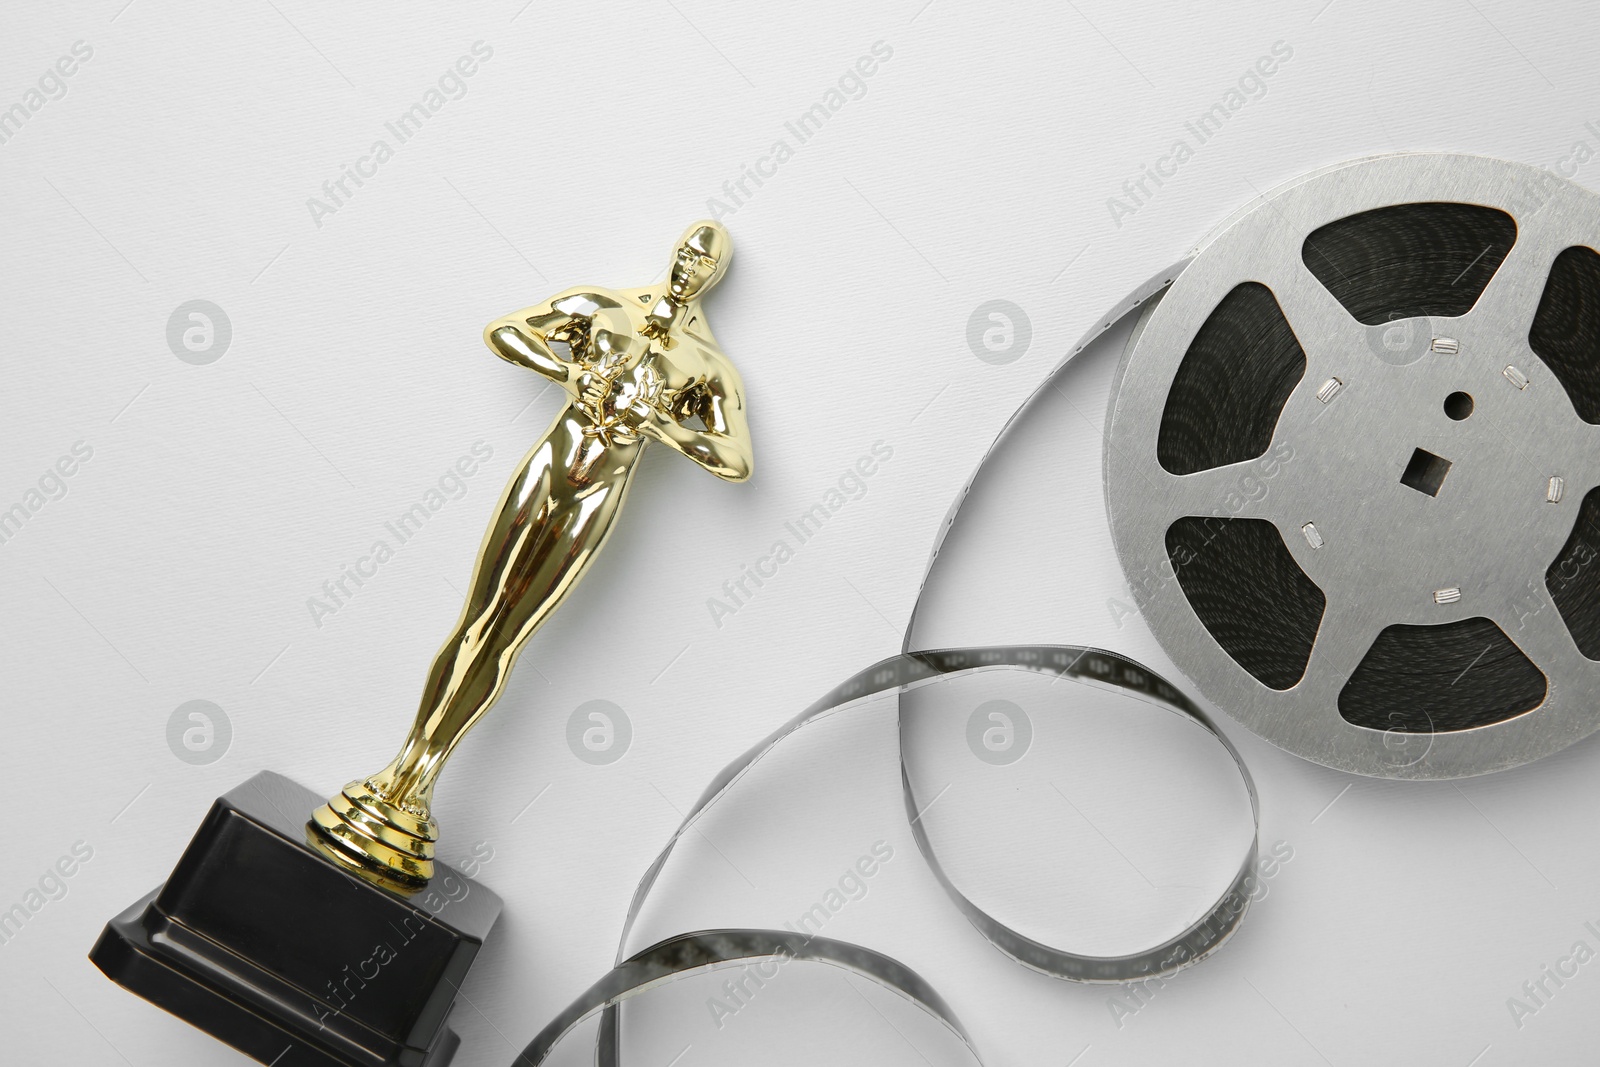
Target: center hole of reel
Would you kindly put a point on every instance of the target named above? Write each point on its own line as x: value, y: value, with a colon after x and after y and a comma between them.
x: 1458, y: 405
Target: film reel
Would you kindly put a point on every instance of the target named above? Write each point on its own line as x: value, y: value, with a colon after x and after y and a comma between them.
x: 1352, y: 461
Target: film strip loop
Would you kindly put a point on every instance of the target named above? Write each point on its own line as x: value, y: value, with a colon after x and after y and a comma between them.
x: 1095, y: 666
x: 696, y: 952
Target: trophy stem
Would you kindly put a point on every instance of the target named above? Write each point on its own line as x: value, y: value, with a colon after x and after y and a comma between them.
x: 552, y: 520
x: 385, y: 821
x: 362, y: 828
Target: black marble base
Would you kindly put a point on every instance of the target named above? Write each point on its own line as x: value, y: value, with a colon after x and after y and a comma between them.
x: 266, y: 944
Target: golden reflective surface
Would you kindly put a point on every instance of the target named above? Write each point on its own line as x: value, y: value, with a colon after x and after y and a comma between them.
x: 638, y: 365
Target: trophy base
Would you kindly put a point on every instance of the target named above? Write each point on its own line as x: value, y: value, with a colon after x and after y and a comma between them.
x: 266, y: 944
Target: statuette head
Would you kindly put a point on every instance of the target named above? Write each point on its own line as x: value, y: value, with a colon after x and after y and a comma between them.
x: 701, y: 259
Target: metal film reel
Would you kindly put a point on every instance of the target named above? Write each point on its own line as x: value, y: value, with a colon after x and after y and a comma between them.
x: 1351, y: 466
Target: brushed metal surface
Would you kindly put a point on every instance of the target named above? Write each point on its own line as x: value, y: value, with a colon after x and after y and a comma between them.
x: 1382, y: 549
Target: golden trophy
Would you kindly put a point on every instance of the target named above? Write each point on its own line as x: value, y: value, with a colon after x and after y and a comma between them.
x: 276, y: 934
x: 638, y: 365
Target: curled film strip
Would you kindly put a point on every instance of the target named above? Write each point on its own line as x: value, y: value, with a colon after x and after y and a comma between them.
x: 705, y: 950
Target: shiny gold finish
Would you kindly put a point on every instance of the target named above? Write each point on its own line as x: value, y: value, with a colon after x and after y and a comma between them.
x: 639, y: 365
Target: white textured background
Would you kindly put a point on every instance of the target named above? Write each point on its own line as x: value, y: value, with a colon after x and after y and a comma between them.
x: 975, y: 166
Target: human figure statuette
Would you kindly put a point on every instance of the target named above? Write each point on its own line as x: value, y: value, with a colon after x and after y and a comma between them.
x: 638, y: 365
